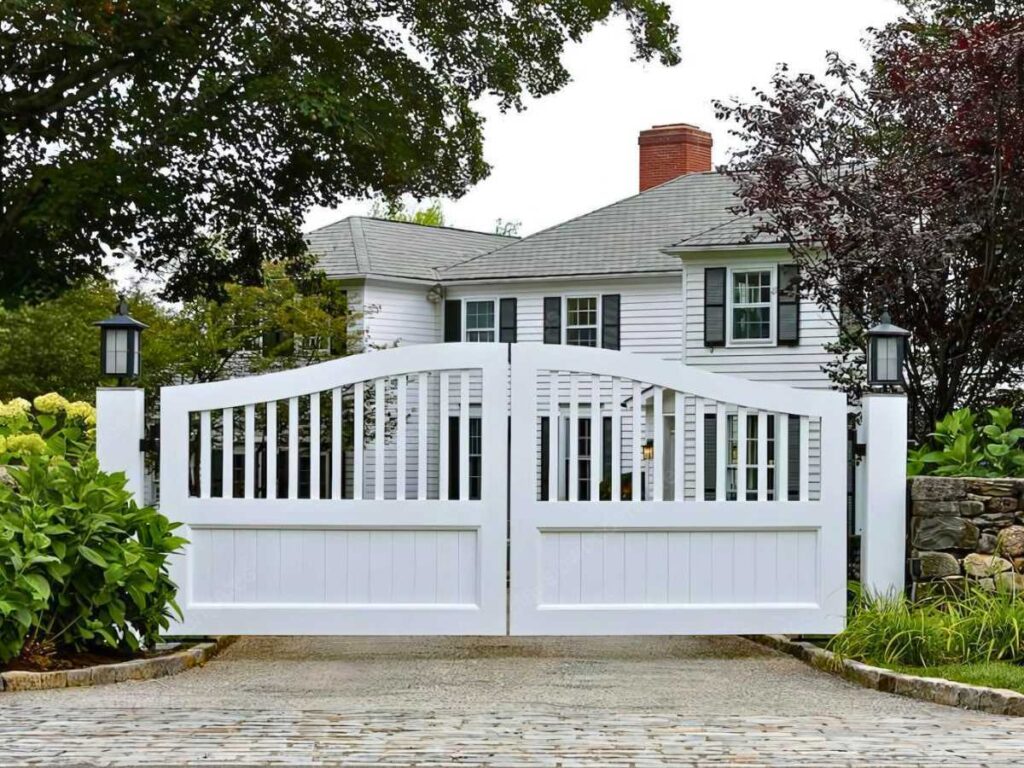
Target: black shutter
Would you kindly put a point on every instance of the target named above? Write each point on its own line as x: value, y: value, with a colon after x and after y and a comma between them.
x: 789, y: 304
x: 610, y: 321
x: 507, y: 320
x: 710, y: 456
x: 453, y: 320
x: 453, y: 457
x: 552, y: 319
x: 714, y: 307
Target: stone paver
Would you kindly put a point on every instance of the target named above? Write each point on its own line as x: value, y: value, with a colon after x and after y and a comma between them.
x: 499, y: 701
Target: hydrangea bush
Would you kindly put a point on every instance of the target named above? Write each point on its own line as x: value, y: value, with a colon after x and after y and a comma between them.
x: 82, y: 565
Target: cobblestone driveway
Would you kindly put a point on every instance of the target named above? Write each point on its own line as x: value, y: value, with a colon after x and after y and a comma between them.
x: 569, y: 701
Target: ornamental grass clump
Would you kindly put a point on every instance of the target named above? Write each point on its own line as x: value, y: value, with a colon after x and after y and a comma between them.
x: 976, y: 626
x: 82, y: 566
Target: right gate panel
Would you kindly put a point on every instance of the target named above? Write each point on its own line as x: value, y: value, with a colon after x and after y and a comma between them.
x: 652, y: 498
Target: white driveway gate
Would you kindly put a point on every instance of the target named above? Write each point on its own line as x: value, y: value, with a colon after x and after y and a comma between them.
x: 376, y: 495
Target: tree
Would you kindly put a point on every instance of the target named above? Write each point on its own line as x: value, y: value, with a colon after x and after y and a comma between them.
x: 431, y: 215
x: 158, y: 129
x: 902, y: 187
x: 507, y: 227
x: 281, y: 323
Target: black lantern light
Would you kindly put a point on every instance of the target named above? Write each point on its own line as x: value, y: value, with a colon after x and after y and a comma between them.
x: 120, y: 335
x: 887, y: 346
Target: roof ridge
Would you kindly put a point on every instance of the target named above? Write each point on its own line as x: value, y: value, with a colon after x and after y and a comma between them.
x: 359, y: 245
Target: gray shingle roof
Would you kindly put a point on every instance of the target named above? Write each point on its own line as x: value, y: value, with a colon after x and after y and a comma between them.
x: 360, y: 245
x: 624, y: 237
x: 739, y: 230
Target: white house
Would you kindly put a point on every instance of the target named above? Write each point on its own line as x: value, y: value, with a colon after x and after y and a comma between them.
x: 667, y: 272
x: 670, y: 271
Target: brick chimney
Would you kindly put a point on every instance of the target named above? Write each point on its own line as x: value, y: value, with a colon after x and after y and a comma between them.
x: 668, y: 151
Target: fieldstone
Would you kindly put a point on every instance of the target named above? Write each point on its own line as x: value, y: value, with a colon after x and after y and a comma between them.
x: 1018, y: 564
x: 1002, y: 505
x: 932, y: 533
x: 985, y: 565
x: 984, y: 486
x: 987, y: 543
x: 937, y: 488
x: 945, y: 508
x: 6, y: 479
x: 935, y: 565
x: 34, y: 681
x: 1010, y: 541
x: 994, y: 520
x: 988, y: 584
x: 1011, y: 582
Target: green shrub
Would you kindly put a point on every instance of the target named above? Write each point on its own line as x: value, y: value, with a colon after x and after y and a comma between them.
x: 50, y: 425
x: 81, y: 565
x: 976, y: 626
x: 959, y: 448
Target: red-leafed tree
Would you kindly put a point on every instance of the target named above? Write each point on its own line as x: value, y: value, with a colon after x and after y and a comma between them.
x: 902, y: 187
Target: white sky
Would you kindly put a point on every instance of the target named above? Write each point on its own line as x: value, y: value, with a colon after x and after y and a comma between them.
x: 576, y: 150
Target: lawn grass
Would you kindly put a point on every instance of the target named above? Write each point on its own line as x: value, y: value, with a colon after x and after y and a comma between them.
x: 993, y: 674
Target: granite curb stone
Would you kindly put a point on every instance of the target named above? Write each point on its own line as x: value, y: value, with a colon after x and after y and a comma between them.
x: 105, y: 674
x: 994, y: 701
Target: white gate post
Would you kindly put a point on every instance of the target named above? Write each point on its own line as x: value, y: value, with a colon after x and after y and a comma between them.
x: 120, y: 426
x: 884, y: 537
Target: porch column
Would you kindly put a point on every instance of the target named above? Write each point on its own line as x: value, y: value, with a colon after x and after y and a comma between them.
x: 884, y: 536
x: 120, y: 426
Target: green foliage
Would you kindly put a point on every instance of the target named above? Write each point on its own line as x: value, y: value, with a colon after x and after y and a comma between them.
x: 50, y: 426
x: 193, y: 135
x: 52, y: 346
x: 960, y: 448
x: 991, y: 674
x: 432, y: 215
x: 81, y: 564
x: 976, y: 626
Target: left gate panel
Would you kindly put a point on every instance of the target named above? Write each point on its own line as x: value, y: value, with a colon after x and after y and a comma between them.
x: 361, y: 496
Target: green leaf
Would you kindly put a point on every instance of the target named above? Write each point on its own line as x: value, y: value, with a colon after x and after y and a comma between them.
x: 92, y: 556
x: 38, y: 584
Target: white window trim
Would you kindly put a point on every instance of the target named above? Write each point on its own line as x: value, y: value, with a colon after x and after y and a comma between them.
x: 565, y: 316
x: 772, y: 268
x: 497, y: 320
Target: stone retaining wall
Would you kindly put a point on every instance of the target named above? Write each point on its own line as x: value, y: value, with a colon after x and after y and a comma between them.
x: 966, y: 528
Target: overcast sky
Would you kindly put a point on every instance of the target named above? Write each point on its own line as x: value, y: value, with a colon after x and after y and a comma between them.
x: 576, y: 150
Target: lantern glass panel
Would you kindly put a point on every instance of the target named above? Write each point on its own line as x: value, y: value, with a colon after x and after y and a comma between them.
x: 887, y: 359
x: 117, y: 351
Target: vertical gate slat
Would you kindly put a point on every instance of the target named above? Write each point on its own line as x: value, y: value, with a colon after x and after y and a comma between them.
x: 464, y: 435
x: 574, y: 439
x: 805, y: 458
x: 698, y: 449
x: 553, y: 429
x: 227, y: 452
x: 204, y: 454
x: 293, y: 447
x: 337, y: 451
x: 314, y: 445
x: 596, y: 439
x: 358, y: 417
x: 421, y: 437
x: 679, y: 447
x: 721, y: 450
x: 616, y: 406
x: 637, y: 444
x: 249, y: 487
x: 272, y: 449
x: 782, y: 457
x: 442, y: 454
x: 762, y: 456
x: 741, y: 454
x: 400, y: 398
x: 659, y: 444
x: 380, y: 417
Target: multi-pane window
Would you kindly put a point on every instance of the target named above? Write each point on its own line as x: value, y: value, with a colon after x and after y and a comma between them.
x: 752, y: 458
x: 480, y: 321
x: 752, y: 305
x: 475, y: 456
x: 581, y: 321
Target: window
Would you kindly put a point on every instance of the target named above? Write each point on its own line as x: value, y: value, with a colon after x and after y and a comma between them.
x: 751, y: 469
x: 581, y: 321
x: 751, y: 305
x: 479, y: 321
